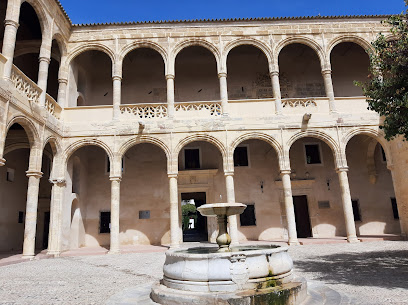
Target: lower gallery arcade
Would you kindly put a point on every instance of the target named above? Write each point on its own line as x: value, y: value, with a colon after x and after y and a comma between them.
x: 145, y: 203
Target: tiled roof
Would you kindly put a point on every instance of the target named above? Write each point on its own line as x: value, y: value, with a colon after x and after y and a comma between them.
x: 233, y: 20
x: 63, y: 11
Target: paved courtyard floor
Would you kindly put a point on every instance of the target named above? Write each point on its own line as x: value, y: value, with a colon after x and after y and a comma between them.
x: 370, y: 273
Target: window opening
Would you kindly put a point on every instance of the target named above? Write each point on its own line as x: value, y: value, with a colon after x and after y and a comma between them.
x: 247, y: 218
x: 20, y: 217
x: 241, y: 156
x: 104, y: 220
x: 192, y: 158
x: 10, y: 174
x: 313, y: 154
x: 356, y: 210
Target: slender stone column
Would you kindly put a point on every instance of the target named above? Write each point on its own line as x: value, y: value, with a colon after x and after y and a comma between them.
x: 9, y: 44
x: 223, y: 93
x: 115, y: 215
x: 31, y: 213
x: 57, y: 193
x: 62, y: 92
x: 117, y: 96
x: 290, y: 211
x: 328, y: 85
x: 175, y: 225
x: 276, y: 92
x: 43, y: 77
x: 170, y: 95
x: 232, y: 220
x: 347, y: 205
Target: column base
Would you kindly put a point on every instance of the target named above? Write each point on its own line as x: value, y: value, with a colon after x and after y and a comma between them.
x: 54, y: 253
x: 293, y: 243
x: 114, y: 251
x: 353, y: 240
x: 29, y: 257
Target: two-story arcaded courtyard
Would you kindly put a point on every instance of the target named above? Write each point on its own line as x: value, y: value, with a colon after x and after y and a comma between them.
x: 108, y: 130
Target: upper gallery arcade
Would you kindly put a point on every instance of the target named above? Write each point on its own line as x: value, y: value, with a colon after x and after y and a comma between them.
x: 108, y: 130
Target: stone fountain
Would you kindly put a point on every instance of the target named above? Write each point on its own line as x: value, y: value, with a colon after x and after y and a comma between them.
x: 235, y: 275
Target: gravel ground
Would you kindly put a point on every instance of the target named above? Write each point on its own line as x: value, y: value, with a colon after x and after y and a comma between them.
x: 371, y: 273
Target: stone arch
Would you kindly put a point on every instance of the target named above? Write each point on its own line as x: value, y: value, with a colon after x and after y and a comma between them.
x: 86, y: 142
x: 41, y: 15
x: 250, y: 42
x: 329, y: 140
x: 377, y: 135
x: 194, y: 42
x: 348, y: 38
x: 55, y: 145
x: 258, y: 136
x: 206, y: 138
x: 144, y: 44
x: 58, y: 37
x: 8, y: 149
x: 302, y: 40
x: 145, y: 139
x: 29, y: 128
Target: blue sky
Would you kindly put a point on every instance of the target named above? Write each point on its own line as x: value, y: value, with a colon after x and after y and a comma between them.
x: 92, y: 11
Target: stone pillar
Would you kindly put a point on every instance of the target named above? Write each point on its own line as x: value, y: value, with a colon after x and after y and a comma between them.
x: 402, y: 218
x: 276, y: 92
x: 289, y: 209
x: 328, y: 85
x: 57, y: 194
x: 347, y: 205
x: 232, y: 220
x: 115, y: 215
x: 31, y: 213
x: 62, y: 92
x: 117, y: 93
x: 223, y: 93
x: 43, y: 77
x: 9, y: 44
x: 176, y: 230
x: 170, y: 95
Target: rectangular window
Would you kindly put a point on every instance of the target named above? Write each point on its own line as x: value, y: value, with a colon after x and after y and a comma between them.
x: 247, y: 218
x: 104, y: 222
x: 356, y: 210
x: 313, y: 154
x: 20, y: 217
x: 241, y: 156
x: 144, y: 214
x: 192, y: 158
x: 10, y: 175
x: 394, y: 208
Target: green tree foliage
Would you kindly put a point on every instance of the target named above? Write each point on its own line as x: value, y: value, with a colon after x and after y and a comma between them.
x: 188, y: 211
x: 387, y: 88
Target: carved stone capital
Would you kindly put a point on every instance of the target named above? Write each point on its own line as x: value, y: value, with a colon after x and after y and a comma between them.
x: 169, y: 76
x: 34, y: 173
x: 12, y: 23
x: 58, y: 182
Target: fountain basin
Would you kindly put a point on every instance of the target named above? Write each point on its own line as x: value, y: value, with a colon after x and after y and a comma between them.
x: 242, y: 268
x: 219, y: 209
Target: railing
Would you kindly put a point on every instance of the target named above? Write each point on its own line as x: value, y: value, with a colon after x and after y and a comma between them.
x: 25, y: 85
x: 299, y: 102
x: 199, y: 108
x: 52, y: 106
x: 145, y: 111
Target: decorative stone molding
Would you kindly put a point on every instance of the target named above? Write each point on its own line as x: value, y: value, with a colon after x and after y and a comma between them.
x: 2, y: 161
x: 25, y: 85
x: 34, y: 173
x: 342, y: 169
x: 239, y: 270
x: 12, y: 23
x: 115, y: 178
x: 222, y: 75
x: 145, y: 111
x: 169, y: 76
x: 58, y: 182
x: 298, y: 102
x: 52, y: 107
x: 213, y: 109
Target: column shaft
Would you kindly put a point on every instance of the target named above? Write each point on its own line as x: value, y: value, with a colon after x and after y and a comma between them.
x: 117, y: 96
x: 232, y: 220
x: 175, y: 225
x: 31, y: 213
x: 224, y: 93
x: 62, y: 92
x: 170, y: 95
x: 347, y: 205
x: 57, y: 193
x: 115, y: 215
x: 43, y: 77
x: 276, y: 92
x: 328, y: 85
x: 290, y: 211
x: 9, y: 44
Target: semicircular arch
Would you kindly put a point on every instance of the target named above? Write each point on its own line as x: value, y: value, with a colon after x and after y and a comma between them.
x: 143, y: 44
x: 90, y: 47
x: 144, y: 139
x: 201, y: 137
x: 29, y: 128
x: 349, y: 38
x: 41, y: 15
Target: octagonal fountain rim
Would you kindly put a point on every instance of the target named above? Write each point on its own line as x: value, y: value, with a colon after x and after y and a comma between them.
x: 212, y: 252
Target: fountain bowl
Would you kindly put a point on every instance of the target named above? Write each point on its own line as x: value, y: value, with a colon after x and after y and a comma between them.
x: 220, y: 209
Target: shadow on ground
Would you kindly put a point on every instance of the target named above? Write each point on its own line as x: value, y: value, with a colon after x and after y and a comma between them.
x: 386, y: 269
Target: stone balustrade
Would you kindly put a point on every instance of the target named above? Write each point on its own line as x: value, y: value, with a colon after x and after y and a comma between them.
x: 198, y: 109
x: 25, y: 85
x: 52, y: 106
x: 299, y: 102
x: 145, y: 111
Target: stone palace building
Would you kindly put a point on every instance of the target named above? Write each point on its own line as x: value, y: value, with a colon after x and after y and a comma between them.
x: 108, y: 130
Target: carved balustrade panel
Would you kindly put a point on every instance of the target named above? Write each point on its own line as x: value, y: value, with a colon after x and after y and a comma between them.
x: 200, y: 108
x: 25, y: 85
x: 52, y: 106
x: 299, y: 102
x: 145, y: 111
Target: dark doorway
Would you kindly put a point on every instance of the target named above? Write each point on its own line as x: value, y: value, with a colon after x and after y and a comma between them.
x: 194, y: 224
x: 302, y: 217
x: 46, y: 229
